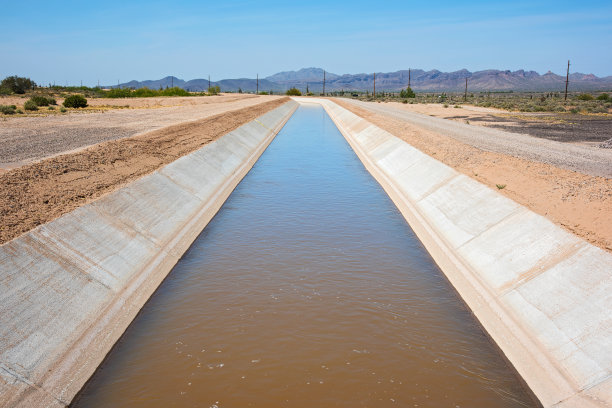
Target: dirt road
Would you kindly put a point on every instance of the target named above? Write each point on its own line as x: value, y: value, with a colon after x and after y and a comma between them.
x: 584, y: 159
x: 26, y: 139
x: 578, y: 202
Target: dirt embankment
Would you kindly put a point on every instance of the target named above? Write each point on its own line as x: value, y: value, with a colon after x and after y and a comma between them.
x: 40, y: 192
x: 579, y: 203
x: 26, y: 139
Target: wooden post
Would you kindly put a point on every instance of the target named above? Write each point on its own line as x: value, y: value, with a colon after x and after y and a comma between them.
x: 567, y: 79
x: 374, y: 85
x: 465, y: 95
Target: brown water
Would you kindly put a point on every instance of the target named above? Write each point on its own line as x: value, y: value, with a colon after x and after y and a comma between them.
x: 308, y: 289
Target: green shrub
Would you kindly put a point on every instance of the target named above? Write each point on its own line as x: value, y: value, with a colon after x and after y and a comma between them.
x: 18, y: 85
x: 51, y: 108
x: 294, y: 92
x: 8, y: 109
x: 75, y: 101
x: 585, y: 97
x: 603, y: 97
x: 214, y: 90
x: 407, y: 93
x: 63, y: 110
x: 42, y: 100
x: 144, y: 92
x: 263, y: 93
x: 30, y: 105
x: 118, y: 93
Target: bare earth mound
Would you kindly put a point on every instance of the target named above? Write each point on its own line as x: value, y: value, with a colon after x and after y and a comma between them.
x: 579, y: 203
x: 40, y: 192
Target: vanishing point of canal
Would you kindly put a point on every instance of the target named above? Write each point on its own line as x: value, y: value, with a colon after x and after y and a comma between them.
x: 307, y: 289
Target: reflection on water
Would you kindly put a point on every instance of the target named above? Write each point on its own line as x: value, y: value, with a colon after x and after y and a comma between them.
x: 308, y: 289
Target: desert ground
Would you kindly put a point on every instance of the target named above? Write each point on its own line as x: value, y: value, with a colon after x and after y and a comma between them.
x: 44, y: 134
x: 530, y: 169
x: 69, y: 162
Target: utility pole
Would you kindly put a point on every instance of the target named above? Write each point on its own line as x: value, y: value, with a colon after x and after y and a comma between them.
x: 408, y: 77
x: 209, y: 82
x: 465, y: 95
x: 81, y: 83
x: 171, y: 82
x: 323, y: 82
x: 257, y: 92
x: 374, y: 85
x: 567, y: 79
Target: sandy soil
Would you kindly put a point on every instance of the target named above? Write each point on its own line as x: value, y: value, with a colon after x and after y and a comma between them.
x: 26, y: 139
x: 37, y: 193
x: 580, y: 203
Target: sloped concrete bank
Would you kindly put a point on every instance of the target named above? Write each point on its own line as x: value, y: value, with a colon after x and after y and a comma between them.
x: 70, y: 288
x: 543, y: 294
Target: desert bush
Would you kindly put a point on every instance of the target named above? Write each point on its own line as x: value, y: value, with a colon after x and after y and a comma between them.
x: 18, y: 85
x: 63, y: 110
x: 585, y: 97
x: 51, y: 108
x: 263, y: 93
x: 214, y: 90
x: 40, y: 100
x: 30, y: 105
x: 8, y: 109
x: 118, y: 93
x: 294, y: 92
x: 407, y: 93
x: 75, y: 101
x: 603, y: 97
x: 176, y: 91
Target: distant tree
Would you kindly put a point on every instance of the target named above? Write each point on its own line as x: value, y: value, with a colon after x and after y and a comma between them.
x: 239, y: 90
x: 603, y: 97
x: 407, y: 93
x: 18, y: 85
x: 294, y: 92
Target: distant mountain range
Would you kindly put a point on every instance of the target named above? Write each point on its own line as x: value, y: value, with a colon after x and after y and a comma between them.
x: 434, y: 80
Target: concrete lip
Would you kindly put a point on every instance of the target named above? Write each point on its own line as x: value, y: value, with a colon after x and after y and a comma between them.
x: 544, y: 295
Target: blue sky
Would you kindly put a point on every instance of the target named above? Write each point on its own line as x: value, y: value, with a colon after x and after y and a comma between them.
x: 69, y: 41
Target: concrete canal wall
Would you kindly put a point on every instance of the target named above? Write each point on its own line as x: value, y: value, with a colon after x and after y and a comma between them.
x: 70, y: 288
x: 543, y: 294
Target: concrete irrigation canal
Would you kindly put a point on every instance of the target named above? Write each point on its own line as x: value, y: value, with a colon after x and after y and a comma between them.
x: 323, y: 278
